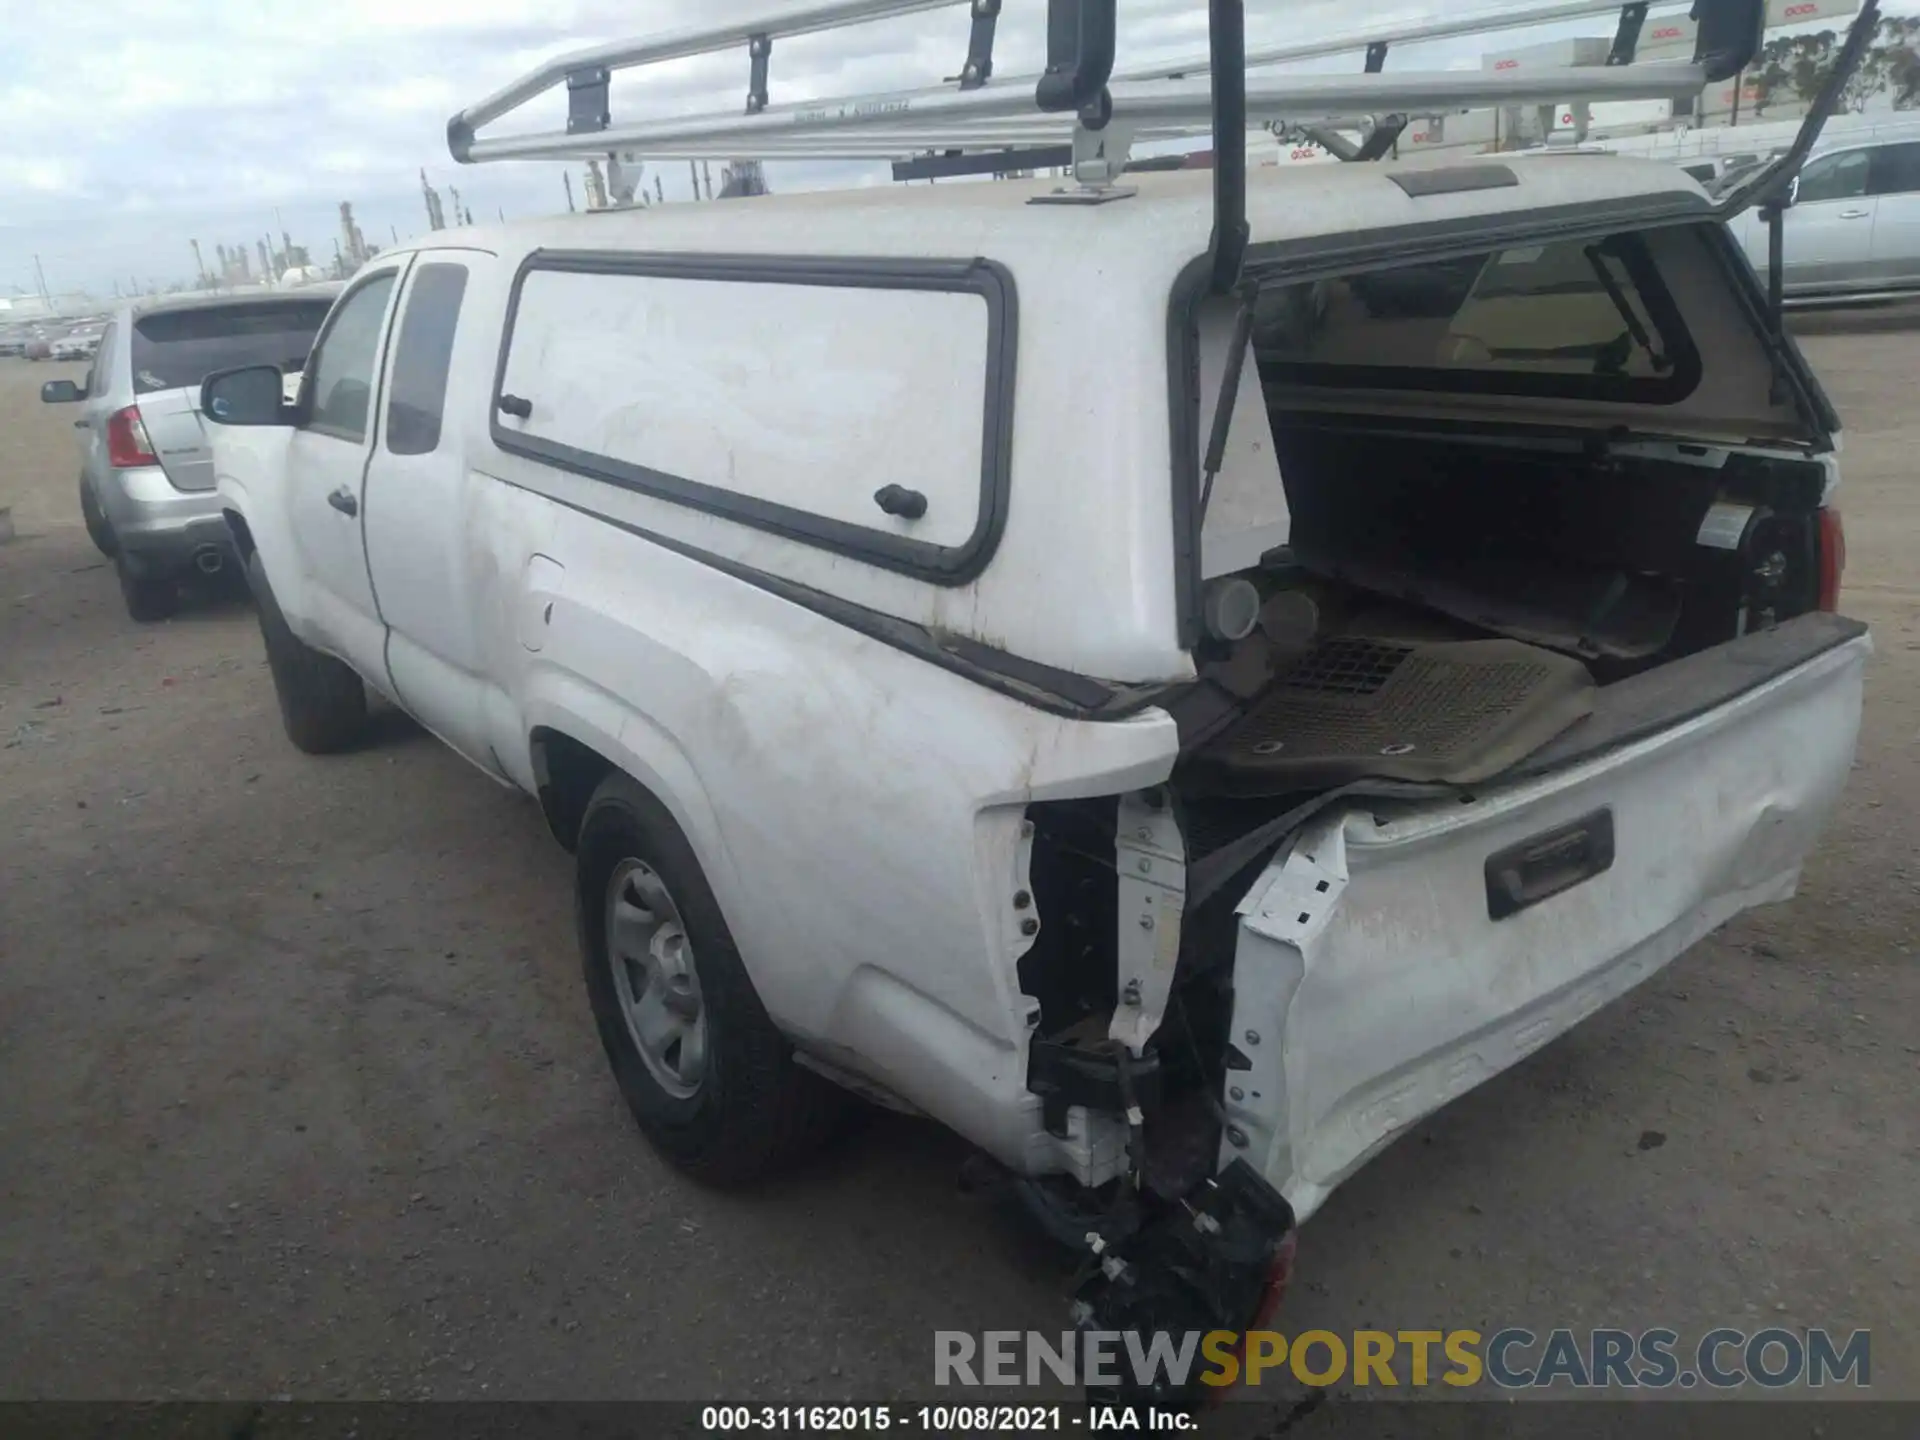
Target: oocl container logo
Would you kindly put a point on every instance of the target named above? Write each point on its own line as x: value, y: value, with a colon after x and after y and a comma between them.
x: 1800, y: 12
x: 1671, y: 32
x: 1506, y: 64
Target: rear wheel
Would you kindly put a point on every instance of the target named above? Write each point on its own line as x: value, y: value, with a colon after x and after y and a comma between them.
x: 149, y: 597
x: 323, y: 703
x: 98, y: 530
x: 710, y: 1079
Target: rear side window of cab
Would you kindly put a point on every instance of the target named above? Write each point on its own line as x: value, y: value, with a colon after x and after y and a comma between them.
x: 423, y: 357
x: 859, y: 406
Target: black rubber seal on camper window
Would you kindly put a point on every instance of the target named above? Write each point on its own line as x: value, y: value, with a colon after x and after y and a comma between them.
x: 938, y: 564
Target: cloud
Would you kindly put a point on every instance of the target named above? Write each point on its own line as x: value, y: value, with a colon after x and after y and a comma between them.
x: 128, y: 127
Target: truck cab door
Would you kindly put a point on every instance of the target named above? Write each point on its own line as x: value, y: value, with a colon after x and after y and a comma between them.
x: 326, y: 472
x: 1895, y: 183
x: 416, y: 510
x: 1829, y: 228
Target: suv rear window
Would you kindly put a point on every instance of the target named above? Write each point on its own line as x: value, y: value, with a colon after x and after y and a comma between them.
x: 182, y: 347
x: 1587, y: 320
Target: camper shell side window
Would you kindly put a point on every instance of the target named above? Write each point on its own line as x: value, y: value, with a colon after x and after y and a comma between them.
x: 859, y: 406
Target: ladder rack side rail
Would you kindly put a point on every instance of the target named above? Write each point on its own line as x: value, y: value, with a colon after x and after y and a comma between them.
x: 1333, y: 95
x: 679, y: 45
x: 867, y: 143
x: 932, y: 115
x: 1453, y: 27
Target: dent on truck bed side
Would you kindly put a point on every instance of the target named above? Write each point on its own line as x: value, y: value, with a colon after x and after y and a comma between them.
x: 857, y: 811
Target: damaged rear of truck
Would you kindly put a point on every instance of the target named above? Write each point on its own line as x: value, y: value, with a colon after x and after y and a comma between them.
x: 1516, y: 672
x: 1510, y: 553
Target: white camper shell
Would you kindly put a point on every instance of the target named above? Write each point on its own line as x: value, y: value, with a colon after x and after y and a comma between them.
x: 949, y: 699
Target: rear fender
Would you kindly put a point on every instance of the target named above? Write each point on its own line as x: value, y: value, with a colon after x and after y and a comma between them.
x: 561, y: 701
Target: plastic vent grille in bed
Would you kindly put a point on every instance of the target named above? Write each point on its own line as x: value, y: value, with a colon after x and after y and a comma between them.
x: 1353, y: 667
x: 1455, y: 711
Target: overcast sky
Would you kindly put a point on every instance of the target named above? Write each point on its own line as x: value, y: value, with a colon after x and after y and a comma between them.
x: 129, y: 126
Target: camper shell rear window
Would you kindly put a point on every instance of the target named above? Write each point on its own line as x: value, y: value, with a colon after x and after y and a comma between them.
x: 1572, y: 319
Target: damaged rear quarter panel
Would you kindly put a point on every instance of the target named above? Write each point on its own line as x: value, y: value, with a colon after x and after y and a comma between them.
x: 856, y: 810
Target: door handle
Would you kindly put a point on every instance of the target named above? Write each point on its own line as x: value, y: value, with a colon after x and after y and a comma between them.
x: 1854, y: 214
x: 81, y: 424
x: 343, y: 501
x: 1544, y: 865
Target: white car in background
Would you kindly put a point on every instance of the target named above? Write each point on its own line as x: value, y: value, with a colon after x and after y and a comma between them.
x: 76, y: 345
x: 1852, y: 227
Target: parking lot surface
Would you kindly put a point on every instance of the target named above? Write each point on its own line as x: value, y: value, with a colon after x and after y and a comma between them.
x: 299, y: 1094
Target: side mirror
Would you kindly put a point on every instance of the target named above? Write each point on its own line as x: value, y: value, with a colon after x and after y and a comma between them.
x: 60, y: 392
x: 247, y: 396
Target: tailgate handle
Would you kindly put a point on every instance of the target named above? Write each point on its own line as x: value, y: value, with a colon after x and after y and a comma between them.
x: 1546, y: 864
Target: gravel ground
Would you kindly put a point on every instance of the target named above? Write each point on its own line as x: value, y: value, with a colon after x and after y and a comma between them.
x: 299, y: 1094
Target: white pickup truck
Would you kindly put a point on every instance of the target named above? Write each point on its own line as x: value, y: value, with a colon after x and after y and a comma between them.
x: 942, y: 706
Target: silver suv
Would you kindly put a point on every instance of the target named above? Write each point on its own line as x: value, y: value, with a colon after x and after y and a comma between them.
x: 146, y: 476
x: 1852, y: 229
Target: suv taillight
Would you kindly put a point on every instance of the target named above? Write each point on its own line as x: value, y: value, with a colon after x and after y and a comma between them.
x: 127, y: 442
x: 1833, y: 557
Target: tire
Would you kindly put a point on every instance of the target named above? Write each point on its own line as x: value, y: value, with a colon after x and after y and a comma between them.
x: 98, y: 530
x: 749, y: 1109
x: 323, y: 703
x: 148, y: 597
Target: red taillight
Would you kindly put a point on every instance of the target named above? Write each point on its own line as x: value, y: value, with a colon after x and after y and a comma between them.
x: 1833, y: 557
x: 1279, y: 1277
x: 127, y: 442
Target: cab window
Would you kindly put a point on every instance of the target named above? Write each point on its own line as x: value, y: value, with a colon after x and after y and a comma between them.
x: 1896, y: 169
x: 340, y: 372
x: 1834, y: 177
x: 422, y: 358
